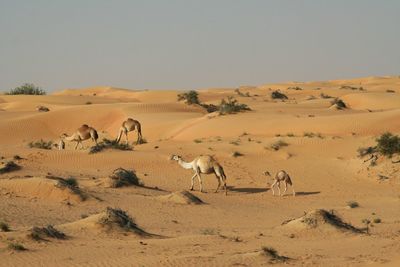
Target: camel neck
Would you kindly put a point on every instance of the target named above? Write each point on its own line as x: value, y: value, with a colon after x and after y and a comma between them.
x: 185, y: 165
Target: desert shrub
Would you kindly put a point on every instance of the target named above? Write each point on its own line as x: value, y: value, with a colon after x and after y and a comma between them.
x: 88, y: 103
x: 377, y: 220
x: 247, y: 94
x: 290, y: 135
x: 26, y: 89
x: 209, y: 231
x: 295, y: 88
x: 42, y: 109
x: 236, y: 154
x: 41, y: 144
x: 339, y: 103
x: 197, y: 141
x: 388, y: 144
x: 4, y: 227
x: 70, y: 183
x: 278, y: 144
x: 121, y: 177
x: 273, y: 254
x: 322, y: 95
x: 119, y: 218
x: 9, y: 167
x: 113, y: 144
x: 231, y: 105
x: 347, y: 87
x: 390, y: 91
x: 190, y: 97
x: 352, y: 204
x: 40, y: 233
x: 363, y: 151
x: 278, y: 95
x: 16, y: 246
x: 210, y: 107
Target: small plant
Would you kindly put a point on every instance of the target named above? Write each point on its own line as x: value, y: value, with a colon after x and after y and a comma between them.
x: 247, y: 94
x: 210, y: 107
x: 9, y: 167
x: 190, y: 97
x: 390, y: 91
x: 4, y: 227
x: 352, y: 204
x: 88, y: 103
x: 290, y: 135
x: 273, y: 254
x: 121, y: 177
x: 41, y: 233
x: 26, y: 89
x: 322, y: 95
x: 338, y: 103
x: 41, y: 144
x: 107, y: 144
x: 388, y: 144
x: 231, y: 105
x: 71, y: 182
x: 377, y: 220
x: 367, y: 223
x: 236, y: 154
x: 209, y: 231
x: 363, y: 151
x: 235, y: 143
x: 17, y: 157
x: 295, y: 88
x: 347, y: 87
x: 278, y: 144
x: 197, y: 141
x: 16, y: 246
x: 278, y: 95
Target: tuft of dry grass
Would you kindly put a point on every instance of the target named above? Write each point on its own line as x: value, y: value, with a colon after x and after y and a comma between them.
x: 273, y: 255
x: 121, y: 177
x: 278, y: 145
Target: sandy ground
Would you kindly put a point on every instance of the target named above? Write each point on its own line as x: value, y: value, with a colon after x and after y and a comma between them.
x: 225, y: 230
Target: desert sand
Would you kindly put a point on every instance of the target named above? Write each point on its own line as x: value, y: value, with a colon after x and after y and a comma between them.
x: 171, y: 228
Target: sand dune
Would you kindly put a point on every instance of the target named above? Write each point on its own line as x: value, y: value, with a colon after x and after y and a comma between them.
x: 157, y: 224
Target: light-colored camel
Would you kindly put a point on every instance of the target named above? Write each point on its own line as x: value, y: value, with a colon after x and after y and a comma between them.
x: 83, y: 133
x: 128, y: 126
x: 281, y: 176
x: 203, y: 164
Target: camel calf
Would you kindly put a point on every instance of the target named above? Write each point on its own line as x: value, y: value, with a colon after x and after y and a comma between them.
x: 281, y: 176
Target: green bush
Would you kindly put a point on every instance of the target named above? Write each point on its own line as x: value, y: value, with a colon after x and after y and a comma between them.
x: 339, y: 103
x: 231, y: 105
x: 26, y: 89
x: 388, y: 144
x: 278, y: 95
x: 190, y: 97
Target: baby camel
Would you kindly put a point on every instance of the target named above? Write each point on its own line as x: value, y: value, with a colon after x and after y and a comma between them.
x: 203, y: 164
x: 83, y: 133
x: 128, y: 126
x: 281, y: 176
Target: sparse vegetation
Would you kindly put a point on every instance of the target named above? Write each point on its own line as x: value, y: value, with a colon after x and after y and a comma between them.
x: 236, y: 154
x: 70, y: 183
x: 209, y: 231
x: 278, y: 144
x: 121, y: 177
x: 41, y: 144
x: 16, y: 246
x: 390, y: 91
x: 312, y: 135
x: 26, y: 89
x: 273, y: 255
x: 388, y: 144
x: 295, y: 88
x: 9, y: 167
x: 197, y: 141
x: 41, y: 233
x: 190, y: 97
x: 120, y: 219
x: 109, y: 144
x: 338, y: 103
x: 231, y: 105
x: 347, y: 87
x: 322, y: 95
x: 88, y: 103
x: 352, y: 204
x: 42, y: 109
x: 247, y: 94
x: 363, y: 151
x: 377, y: 220
x: 278, y: 95
x: 290, y: 135
x: 4, y: 227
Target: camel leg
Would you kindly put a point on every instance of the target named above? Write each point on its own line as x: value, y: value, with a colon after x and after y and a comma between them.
x: 200, y: 181
x: 272, y: 187
x: 77, y: 143
x: 294, y: 193
x: 191, y: 188
x: 284, y: 191
x: 279, y: 188
x: 81, y: 145
x: 219, y: 183
x: 126, y: 136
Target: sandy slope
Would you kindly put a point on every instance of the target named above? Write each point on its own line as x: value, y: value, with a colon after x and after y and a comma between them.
x: 224, y: 231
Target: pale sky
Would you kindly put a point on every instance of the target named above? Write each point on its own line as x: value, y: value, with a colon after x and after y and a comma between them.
x: 187, y: 44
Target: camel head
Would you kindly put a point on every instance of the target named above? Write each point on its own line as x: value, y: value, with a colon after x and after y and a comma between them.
x: 63, y: 135
x: 266, y: 173
x: 175, y: 157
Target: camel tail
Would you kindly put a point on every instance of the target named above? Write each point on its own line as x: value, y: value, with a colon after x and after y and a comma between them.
x: 119, y: 135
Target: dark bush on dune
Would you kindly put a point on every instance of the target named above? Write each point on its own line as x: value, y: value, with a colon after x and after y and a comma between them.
x: 121, y: 177
x: 26, y: 89
x: 109, y: 144
x: 190, y: 97
x: 388, y: 144
x: 231, y: 105
x: 278, y: 95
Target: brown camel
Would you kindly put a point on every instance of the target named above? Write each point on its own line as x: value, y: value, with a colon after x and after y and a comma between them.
x: 83, y: 133
x: 128, y: 126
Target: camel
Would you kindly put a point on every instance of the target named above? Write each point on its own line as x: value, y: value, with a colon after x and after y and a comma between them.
x: 83, y: 133
x: 203, y: 164
x: 128, y: 126
x: 281, y: 176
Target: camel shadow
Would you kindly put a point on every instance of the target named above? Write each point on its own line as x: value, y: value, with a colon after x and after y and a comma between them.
x: 307, y: 193
x: 247, y: 190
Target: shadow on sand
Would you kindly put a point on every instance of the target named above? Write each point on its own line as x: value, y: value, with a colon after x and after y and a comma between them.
x: 247, y: 190
x: 307, y: 193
